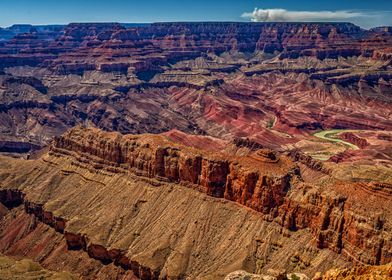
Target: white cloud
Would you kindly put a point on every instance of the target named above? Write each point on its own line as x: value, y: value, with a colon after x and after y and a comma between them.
x: 266, y: 15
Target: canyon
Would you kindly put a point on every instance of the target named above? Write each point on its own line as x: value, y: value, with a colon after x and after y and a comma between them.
x: 203, y: 150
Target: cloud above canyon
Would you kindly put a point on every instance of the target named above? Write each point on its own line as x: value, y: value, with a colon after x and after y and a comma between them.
x: 365, y: 19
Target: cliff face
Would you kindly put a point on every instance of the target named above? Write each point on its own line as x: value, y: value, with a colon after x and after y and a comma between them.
x: 258, y: 182
x: 248, y: 37
x: 238, y: 76
x: 33, y: 237
x: 354, y: 139
x: 359, y: 272
x: 264, y: 182
x: 248, y: 194
x: 129, y: 190
x: 66, y: 51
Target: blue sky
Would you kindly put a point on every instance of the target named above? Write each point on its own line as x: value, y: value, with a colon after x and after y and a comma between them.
x: 364, y: 12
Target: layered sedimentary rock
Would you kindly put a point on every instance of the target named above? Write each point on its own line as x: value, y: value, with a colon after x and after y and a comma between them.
x: 232, y: 177
x: 227, y: 80
x: 246, y: 181
x: 359, y: 272
x: 259, y: 181
x: 12, y: 269
x: 325, y: 215
x: 263, y: 107
x: 352, y: 138
x: 143, y: 48
x: 144, y: 240
x: 27, y: 235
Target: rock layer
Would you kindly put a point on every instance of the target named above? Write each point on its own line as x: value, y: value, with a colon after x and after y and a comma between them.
x: 258, y: 182
x: 12, y: 269
x: 234, y: 188
x: 244, y: 180
x: 270, y: 185
x: 227, y: 80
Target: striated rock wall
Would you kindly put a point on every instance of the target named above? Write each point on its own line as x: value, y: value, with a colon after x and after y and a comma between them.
x: 362, y: 236
x: 270, y: 185
x: 363, y: 272
x: 255, y: 182
x: 282, y: 197
x: 354, y: 139
x: 75, y: 241
x: 110, y: 47
x: 307, y: 160
x: 25, y: 234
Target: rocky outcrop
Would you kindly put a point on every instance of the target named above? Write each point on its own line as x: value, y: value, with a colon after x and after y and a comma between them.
x: 17, y: 147
x: 46, y: 217
x: 31, y: 81
x: 354, y: 139
x: 14, y: 269
x: 326, y: 215
x: 24, y: 235
x: 341, y: 157
x: 247, y: 143
x: 307, y: 160
x: 382, y: 272
x: 338, y: 227
x: 243, y: 180
x: 269, y: 183
x: 73, y: 68
x: 156, y: 157
x: 75, y: 241
x: 156, y: 44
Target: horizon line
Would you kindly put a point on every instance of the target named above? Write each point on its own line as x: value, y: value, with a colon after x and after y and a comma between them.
x: 191, y: 21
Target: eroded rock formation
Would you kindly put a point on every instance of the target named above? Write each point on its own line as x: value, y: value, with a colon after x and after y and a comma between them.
x: 27, y: 269
x: 232, y: 178
x: 227, y: 80
x: 272, y: 186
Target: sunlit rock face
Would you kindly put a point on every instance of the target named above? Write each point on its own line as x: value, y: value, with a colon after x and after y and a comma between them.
x: 241, y: 77
x: 91, y: 181
x: 197, y: 150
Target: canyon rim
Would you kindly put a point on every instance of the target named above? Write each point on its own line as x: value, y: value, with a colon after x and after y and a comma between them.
x: 221, y: 149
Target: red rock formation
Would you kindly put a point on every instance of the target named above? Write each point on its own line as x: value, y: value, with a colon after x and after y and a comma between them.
x: 85, y: 72
x: 27, y: 235
x: 249, y: 182
x: 145, y: 79
x: 354, y: 139
x: 313, y: 164
x: 343, y: 156
x: 147, y: 45
x: 245, y: 180
x: 360, y: 272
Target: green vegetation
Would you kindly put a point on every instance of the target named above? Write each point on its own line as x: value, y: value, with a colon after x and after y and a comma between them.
x: 270, y: 123
x: 295, y: 277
